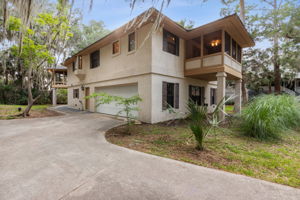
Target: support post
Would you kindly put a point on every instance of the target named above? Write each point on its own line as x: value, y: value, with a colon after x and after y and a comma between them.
x: 238, y: 98
x: 221, y: 89
x: 54, y: 98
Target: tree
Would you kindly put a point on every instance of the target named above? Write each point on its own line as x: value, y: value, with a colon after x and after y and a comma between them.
x: 187, y: 24
x: 85, y: 35
x: 42, y: 40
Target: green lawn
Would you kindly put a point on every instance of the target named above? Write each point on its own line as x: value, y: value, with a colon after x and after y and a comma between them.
x: 7, y: 111
x: 229, y: 108
x: 227, y: 149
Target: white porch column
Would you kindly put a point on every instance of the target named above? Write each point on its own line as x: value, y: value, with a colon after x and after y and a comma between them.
x: 238, y: 98
x: 54, y: 99
x: 221, y: 88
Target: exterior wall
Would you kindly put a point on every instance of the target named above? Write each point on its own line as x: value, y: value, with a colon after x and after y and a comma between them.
x: 117, y: 66
x: 164, y: 62
x: 149, y: 66
x: 144, y: 86
x: 158, y: 114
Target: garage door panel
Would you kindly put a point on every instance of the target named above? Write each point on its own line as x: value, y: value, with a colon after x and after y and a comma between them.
x: 123, y: 91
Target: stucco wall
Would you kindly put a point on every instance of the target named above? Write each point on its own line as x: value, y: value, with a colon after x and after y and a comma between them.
x: 164, y: 62
x: 117, y: 66
x: 144, y: 86
x: 158, y: 114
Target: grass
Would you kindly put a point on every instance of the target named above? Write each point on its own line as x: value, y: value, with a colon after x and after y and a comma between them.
x: 276, y: 161
x: 229, y: 108
x: 8, y: 111
x: 267, y: 116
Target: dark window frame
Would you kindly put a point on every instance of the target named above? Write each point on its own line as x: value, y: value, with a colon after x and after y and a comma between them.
x: 131, y: 38
x: 197, y: 94
x: 239, y: 53
x: 234, y: 49
x: 73, y: 66
x: 213, y: 96
x: 227, y: 43
x: 79, y: 62
x: 95, y: 59
x: 119, y: 47
x: 170, y: 95
x: 76, y: 93
x: 168, y: 46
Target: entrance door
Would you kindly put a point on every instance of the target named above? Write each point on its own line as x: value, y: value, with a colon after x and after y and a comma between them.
x: 87, y: 101
x: 196, y: 94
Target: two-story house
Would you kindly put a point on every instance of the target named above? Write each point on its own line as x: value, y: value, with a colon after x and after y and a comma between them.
x: 165, y: 66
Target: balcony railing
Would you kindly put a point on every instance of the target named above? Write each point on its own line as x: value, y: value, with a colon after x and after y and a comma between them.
x: 210, y: 63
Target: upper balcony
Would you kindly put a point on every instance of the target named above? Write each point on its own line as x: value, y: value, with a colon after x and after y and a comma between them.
x: 211, y: 53
x: 77, y: 68
x: 59, y: 76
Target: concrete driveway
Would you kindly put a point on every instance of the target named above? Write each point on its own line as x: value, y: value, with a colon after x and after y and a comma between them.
x: 67, y: 157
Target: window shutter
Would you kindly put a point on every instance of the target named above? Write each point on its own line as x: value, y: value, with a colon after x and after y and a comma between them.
x: 176, y: 95
x: 164, y: 95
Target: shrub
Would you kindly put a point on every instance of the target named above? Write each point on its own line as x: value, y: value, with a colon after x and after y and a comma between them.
x: 268, y: 115
x: 199, y: 122
x: 62, y: 96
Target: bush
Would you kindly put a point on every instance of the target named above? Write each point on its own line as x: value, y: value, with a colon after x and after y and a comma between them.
x: 14, y: 95
x: 268, y: 115
x: 62, y: 96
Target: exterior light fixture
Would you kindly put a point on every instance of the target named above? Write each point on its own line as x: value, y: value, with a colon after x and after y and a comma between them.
x: 82, y: 87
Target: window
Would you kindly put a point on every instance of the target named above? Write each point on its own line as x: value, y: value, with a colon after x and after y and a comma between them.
x: 212, y: 43
x: 116, y: 47
x: 239, y: 53
x: 75, y: 93
x: 193, y: 48
x: 234, y: 49
x: 170, y: 43
x: 213, y: 96
x: 131, y: 42
x: 73, y: 66
x: 227, y: 44
x: 95, y: 59
x: 196, y: 94
x: 170, y: 95
x: 79, y: 62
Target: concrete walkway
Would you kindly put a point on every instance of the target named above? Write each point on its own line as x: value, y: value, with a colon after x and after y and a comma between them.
x: 67, y: 157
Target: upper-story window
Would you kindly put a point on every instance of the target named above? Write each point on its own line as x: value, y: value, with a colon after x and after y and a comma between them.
x: 131, y: 42
x: 170, y: 43
x: 227, y: 44
x: 212, y: 43
x: 239, y: 53
x: 73, y: 66
x: 95, y: 59
x: 79, y: 62
x: 193, y: 48
x: 116, y: 47
x: 234, y: 49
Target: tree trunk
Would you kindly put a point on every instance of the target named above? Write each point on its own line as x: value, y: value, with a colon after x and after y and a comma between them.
x: 277, y: 75
x: 242, y: 10
x: 30, y: 99
x: 244, y: 92
x: 244, y: 89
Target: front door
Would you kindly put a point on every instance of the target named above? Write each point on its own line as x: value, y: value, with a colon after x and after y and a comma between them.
x: 196, y: 94
x: 87, y: 101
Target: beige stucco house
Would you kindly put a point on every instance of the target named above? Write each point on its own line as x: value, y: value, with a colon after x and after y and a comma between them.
x: 164, y: 65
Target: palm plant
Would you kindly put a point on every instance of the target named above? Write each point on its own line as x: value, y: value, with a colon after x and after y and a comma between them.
x: 203, y: 122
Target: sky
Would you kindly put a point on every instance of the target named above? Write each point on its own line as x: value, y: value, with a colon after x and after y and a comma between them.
x: 115, y: 13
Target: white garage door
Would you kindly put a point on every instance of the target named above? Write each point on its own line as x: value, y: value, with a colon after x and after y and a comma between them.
x: 124, y: 91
